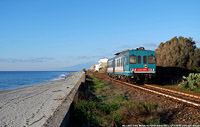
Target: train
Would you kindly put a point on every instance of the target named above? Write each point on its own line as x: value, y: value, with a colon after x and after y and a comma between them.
x: 136, y: 65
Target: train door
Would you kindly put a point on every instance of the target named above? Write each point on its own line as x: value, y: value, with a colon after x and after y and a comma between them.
x: 126, y: 65
x: 139, y: 63
x: 113, y: 66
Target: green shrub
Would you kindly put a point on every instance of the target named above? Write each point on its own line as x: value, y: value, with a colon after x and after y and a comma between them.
x: 192, y: 82
x: 98, y: 85
x: 108, y: 83
x: 117, y: 119
x: 103, y: 108
x: 153, y: 121
x: 146, y: 108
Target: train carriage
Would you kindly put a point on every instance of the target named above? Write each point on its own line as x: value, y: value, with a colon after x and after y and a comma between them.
x: 134, y: 65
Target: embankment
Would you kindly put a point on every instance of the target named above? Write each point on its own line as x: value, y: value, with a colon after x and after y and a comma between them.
x: 103, y: 102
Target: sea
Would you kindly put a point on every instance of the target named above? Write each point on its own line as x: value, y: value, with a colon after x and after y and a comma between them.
x: 17, y: 79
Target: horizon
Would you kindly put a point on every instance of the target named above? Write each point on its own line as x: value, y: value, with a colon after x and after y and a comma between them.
x: 48, y: 35
x: 45, y: 71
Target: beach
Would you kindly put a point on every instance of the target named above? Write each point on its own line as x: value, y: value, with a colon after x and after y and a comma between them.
x: 32, y: 106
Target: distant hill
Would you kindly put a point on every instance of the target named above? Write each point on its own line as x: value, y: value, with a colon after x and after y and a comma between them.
x: 78, y: 67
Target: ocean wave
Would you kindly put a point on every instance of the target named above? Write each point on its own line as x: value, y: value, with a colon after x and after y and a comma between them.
x: 62, y: 76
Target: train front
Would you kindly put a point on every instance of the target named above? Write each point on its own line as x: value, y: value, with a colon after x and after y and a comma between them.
x: 142, y: 64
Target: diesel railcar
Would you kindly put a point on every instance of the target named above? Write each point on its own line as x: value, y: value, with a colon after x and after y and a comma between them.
x: 133, y: 65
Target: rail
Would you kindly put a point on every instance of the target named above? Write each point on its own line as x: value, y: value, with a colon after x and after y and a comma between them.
x: 183, y: 100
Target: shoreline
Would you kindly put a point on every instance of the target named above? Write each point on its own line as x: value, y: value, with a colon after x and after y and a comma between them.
x: 34, y: 105
x: 7, y: 90
x: 20, y: 88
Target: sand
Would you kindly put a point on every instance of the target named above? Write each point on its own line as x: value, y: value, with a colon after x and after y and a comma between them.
x: 32, y: 106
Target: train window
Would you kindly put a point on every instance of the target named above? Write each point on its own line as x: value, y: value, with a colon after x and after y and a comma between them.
x: 144, y: 59
x: 151, y: 59
x: 110, y: 63
x: 118, y: 63
x: 139, y: 59
x: 132, y: 59
x: 121, y: 61
x: 127, y: 60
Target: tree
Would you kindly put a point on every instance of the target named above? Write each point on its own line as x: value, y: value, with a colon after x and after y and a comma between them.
x: 179, y: 52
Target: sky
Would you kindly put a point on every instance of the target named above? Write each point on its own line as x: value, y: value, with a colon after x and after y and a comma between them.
x: 37, y: 35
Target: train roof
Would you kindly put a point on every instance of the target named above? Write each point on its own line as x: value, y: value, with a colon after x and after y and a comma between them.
x: 125, y: 51
x: 122, y: 52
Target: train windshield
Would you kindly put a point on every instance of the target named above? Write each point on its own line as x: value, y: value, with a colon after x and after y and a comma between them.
x: 151, y: 59
x: 132, y: 59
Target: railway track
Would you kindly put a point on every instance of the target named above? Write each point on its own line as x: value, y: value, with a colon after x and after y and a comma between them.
x: 189, y: 99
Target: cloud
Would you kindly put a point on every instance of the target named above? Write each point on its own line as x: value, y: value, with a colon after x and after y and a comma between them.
x: 124, y: 47
x: 197, y: 41
x: 90, y: 57
x: 121, y: 48
x: 78, y: 67
x: 82, y: 57
x: 149, y: 44
x: 33, y: 60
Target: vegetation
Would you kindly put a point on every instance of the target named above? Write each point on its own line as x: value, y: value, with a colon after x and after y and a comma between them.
x: 191, y: 83
x: 98, y: 105
x: 179, y: 52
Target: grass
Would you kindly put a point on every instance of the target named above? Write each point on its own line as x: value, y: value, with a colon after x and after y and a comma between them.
x: 190, y: 83
x: 98, y: 106
x: 188, y: 89
x: 197, y: 90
